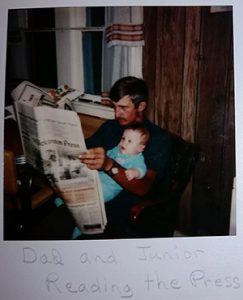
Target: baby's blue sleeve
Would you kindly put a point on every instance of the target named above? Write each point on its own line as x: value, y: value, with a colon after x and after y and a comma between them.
x: 137, y: 162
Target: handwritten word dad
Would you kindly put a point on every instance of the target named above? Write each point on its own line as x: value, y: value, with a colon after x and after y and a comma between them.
x: 31, y: 256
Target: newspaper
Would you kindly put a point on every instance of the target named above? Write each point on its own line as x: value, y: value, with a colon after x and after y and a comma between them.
x: 52, y: 140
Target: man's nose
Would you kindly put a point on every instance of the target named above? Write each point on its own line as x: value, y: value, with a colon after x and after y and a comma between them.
x: 117, y: 112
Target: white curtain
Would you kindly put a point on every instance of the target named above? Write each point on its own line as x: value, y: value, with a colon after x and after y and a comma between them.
x: 123, y: 46
x: 69, y: 46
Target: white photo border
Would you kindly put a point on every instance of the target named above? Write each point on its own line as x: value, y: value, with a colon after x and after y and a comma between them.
x: 48, y: 269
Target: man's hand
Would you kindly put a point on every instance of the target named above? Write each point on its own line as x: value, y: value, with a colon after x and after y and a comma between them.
x: 95, y: 159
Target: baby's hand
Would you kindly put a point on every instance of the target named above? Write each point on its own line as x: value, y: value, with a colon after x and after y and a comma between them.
x: 132, y: 174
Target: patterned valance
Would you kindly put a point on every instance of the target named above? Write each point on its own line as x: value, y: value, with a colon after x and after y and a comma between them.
x: 125, y: 35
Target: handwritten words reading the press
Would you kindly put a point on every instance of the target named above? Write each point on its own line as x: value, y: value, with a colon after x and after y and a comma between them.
x: 153, y: 278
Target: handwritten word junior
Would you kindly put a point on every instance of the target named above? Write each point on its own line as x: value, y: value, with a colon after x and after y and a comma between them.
x: 30, y: 256
x: 55, y: 284
x: 149, y: 253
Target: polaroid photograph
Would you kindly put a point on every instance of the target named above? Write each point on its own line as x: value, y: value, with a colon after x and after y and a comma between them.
x: 121, y: 138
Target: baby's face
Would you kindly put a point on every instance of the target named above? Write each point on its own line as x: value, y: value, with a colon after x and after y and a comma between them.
x: 130, y: 142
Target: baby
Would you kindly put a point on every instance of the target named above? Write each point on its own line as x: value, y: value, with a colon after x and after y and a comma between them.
x: 128, y: 154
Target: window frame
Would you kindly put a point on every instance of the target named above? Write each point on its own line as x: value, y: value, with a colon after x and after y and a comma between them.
x: 70, y: 25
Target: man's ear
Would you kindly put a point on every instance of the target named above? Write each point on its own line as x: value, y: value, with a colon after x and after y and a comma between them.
x: 142, y: 106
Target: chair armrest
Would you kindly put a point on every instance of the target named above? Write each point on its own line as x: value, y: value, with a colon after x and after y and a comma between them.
x: 137, y: 209
x: 154, y: 218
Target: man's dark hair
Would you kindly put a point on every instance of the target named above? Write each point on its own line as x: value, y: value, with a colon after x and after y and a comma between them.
x: 134, y: 87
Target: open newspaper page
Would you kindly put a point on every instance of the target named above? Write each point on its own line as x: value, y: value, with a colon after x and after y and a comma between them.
x: 52, y: 140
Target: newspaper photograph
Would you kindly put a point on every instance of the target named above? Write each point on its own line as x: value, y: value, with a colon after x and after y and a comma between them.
x: 53, y: 140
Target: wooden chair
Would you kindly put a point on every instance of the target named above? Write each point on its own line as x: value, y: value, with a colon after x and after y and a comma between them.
x: 10, y: 172
x: 157, y: 217
x: 24, y: 190
x: 21, y: 183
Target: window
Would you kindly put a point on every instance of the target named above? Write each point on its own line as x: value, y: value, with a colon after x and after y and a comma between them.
x: 82, y: 52
x: 80, y: 47
x: 31, y: 49
x: 53, y: 46
x: 92, y: 50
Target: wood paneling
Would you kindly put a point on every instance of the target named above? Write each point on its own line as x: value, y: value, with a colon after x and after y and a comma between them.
x: 169, y: 67
x: 149, y: 61
x: 189, y: 69
x: 213, y: 102
x: 190, y: 73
